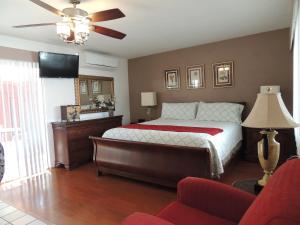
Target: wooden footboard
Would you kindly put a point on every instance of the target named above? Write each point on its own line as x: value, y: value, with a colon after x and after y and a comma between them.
x: 155, y: 163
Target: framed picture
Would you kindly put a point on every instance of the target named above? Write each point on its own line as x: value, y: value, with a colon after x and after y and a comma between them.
x: 70, y: 113
x: 195, y: 77
x: 83, y: 87
x: 172, y: 79
x: 96, y: 87
x: 223, y: 74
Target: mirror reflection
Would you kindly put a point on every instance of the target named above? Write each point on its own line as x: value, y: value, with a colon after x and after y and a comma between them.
x: 95, y: 94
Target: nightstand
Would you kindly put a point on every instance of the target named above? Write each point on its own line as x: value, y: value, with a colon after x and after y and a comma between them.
x: 248, y: 185
x: 138, y: 121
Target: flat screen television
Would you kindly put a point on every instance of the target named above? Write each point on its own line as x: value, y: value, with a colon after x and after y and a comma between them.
x: 53, y: 65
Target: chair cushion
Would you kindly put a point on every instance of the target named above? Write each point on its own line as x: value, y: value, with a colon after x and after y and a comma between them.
x: 144, y: 219
x: 181, y: 214
x: 279, y: 201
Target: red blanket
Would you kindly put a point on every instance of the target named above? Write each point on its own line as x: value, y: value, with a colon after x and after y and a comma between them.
x: 206, y: 130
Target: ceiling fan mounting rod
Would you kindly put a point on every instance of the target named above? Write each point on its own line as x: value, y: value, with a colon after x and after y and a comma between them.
x: 75, y: 2
x: 74, y: 12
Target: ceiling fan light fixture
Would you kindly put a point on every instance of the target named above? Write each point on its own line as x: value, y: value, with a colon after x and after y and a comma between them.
x: 76, y: 23
x: 63, y: 30
x: 81, y: 30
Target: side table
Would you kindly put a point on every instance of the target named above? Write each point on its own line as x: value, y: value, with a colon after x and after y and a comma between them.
x: 248, y: 185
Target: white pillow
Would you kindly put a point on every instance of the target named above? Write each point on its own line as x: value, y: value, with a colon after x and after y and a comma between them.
x: 225, y: 112
x: 179, y: 111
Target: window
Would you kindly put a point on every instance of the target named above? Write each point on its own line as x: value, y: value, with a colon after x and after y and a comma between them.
x: 23, y: 129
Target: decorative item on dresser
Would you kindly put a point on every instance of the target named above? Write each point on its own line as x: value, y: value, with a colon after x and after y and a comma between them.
x: 148, y: 99
x: 70, y: 112
x: 269, y: 113
x: 71, y: 139
x: 94, y: 94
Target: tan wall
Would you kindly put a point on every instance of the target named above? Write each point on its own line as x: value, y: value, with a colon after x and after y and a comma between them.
x: 260, y: 59
x: 17, y: 54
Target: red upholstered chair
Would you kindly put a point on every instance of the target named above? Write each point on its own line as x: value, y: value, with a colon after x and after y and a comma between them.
x: 205, y: 202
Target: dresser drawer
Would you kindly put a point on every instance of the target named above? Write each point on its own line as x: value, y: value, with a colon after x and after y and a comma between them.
x: 71, y: 139
x: 84, y: 132
x: 80, y: 156
x: 77, y: 144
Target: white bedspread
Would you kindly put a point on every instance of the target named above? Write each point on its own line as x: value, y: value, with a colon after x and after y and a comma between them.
x: 220, y: 145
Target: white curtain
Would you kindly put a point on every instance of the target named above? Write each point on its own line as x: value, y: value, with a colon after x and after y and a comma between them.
x: 296, y: 81
x: 23, y: 129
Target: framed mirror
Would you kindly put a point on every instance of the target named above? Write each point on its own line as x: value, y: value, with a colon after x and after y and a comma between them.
x: 94, y: 94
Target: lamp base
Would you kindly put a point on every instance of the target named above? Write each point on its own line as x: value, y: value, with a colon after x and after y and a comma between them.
x: 268, y: 154
x: 257, y: 188
x: 264, y: 180
x: 148, y: 112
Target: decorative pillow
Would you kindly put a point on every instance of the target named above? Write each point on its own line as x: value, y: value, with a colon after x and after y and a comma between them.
x: 225, y: 112
x: 179, y: 111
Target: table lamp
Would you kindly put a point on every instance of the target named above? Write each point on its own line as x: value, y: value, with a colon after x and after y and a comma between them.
x: 148, y: 99
x: 269, y: 113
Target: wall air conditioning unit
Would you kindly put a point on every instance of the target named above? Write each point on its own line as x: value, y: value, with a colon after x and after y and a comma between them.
x: 100, y: 60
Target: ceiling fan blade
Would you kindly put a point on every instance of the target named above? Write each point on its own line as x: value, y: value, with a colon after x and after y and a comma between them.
x: 110, y: 14
x: 72, y: 37
x: 34, y: 25
x: 109, y: 32
x: 47, y: 7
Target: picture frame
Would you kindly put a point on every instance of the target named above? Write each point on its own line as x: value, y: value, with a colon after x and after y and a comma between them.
x: 70, y: 113
x: 172, y: 79
x: 223, y: 74
x: 83, y: 85
x: 195, y: 76
x: 96, y: 87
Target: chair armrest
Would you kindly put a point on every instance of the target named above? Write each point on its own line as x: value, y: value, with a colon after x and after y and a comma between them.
x: 144, y: 219
x: 214, y: 198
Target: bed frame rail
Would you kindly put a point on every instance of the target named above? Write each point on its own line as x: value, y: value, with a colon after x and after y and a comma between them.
x: 156, y: 163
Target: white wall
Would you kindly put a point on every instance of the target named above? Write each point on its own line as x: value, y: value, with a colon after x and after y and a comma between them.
x: 60, y: 91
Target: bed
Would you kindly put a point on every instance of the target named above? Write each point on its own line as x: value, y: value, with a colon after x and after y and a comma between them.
x: 164, y: 156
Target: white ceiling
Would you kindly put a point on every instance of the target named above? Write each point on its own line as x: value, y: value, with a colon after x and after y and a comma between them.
x: 153, y: 26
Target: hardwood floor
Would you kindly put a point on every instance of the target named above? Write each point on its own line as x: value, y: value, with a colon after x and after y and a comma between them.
x: 79, y: 197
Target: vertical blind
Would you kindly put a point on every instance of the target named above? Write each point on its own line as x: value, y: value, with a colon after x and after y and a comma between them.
x: 296, y: 70
x: 23, y: 128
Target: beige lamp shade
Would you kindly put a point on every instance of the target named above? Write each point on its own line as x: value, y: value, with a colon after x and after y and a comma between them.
x: 148, y: 99
x: 269, y: 111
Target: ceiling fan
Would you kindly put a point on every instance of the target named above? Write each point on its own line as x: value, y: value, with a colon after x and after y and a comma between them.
x: 77, y: 23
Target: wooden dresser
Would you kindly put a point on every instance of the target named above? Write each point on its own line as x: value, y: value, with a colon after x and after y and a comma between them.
x: 71, y: 139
